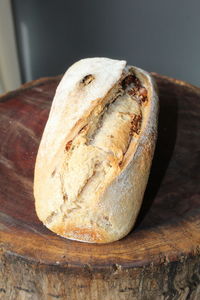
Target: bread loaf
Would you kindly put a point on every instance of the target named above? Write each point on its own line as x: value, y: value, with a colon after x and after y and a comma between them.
x: 96, y: 151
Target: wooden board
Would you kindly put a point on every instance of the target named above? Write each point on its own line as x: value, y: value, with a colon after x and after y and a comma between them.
x: 159, y: 259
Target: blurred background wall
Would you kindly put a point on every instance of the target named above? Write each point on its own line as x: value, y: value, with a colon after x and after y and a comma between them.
x: 157, y: 35
x: 9, y: 63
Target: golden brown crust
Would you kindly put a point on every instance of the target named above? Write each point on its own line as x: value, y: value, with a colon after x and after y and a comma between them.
x: 91, y: 172
x: 76, y: 233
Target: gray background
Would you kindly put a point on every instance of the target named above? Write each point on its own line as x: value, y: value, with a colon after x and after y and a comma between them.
x: 157, y: 35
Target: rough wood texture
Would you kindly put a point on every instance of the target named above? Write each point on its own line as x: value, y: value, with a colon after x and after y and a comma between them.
x: 158, y: 260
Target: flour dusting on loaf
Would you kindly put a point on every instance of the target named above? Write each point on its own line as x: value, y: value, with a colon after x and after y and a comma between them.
x: 96, y: 151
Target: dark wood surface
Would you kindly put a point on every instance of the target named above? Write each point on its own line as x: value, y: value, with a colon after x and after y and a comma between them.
x: 168, y: 227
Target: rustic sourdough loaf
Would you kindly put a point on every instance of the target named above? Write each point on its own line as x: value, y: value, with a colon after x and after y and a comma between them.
x: 95, y: 154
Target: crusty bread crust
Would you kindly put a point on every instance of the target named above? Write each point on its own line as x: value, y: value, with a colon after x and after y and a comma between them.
x: 87, y: 187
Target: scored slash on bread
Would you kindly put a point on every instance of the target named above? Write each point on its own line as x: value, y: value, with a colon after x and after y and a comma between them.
x: 95, y: 154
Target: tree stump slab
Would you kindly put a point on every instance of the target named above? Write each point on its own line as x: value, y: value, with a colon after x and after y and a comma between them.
x: 159, y: 259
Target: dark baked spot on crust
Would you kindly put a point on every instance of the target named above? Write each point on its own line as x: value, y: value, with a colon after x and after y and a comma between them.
x: 68, y: 145
x: 84, y: 128
x: 53, y: 173
x: 65, y: 197
x: 135, y: 124
x: 87, y: 79
x: 134, y: 88
x: 130, y: 79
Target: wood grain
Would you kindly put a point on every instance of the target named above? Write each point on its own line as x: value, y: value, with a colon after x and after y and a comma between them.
x: 159, y: 259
